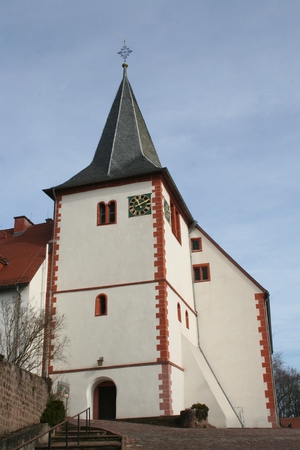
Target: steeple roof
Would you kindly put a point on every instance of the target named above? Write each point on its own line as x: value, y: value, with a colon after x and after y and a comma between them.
x: 125, y: 147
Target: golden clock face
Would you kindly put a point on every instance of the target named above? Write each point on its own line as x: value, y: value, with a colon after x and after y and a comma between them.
x: 139, y: 205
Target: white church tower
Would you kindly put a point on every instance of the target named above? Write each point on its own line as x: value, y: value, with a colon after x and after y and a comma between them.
x: 159, y: 316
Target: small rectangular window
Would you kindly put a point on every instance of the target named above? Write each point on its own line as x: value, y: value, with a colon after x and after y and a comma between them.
x: 201, y: 273
x: 196, y: 244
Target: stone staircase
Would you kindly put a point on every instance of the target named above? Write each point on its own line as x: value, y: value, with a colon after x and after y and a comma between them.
x: 94, y: 439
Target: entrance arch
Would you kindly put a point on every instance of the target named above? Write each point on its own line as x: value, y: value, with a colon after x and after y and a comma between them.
x: 105, y: 396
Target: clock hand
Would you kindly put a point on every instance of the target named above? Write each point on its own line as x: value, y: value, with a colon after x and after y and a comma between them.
x: 145, y: 201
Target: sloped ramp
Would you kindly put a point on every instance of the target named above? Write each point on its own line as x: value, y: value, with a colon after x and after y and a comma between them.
x: 201, y: 385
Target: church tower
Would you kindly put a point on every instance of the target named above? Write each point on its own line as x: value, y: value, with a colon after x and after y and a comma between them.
x: 130, y: 270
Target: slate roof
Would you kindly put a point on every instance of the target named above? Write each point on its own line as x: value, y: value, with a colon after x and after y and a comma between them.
x: 24, y: 253
x: 125, y: 148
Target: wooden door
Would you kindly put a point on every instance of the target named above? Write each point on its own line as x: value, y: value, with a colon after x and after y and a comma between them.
x: 106, y: 400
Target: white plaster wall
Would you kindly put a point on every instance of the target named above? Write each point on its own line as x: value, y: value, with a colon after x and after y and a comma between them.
x: 177, y: 377
x: 9, y: 294
x: 12, y: 294
x: 229, y: 333
x: 36, y: 298
x: 177, y: 328
x: 106, y: 257
x: 178, y: 259
x: 137, y: 390
x: 91, y: 255
x: 38, y: 286
x: 200, y: 386
x: 126, y: 335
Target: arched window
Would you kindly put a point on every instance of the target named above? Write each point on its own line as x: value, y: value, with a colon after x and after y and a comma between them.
x: 106, y: 213
x: 179, y: 312
x: 187, y: 322
x: 101, y: 305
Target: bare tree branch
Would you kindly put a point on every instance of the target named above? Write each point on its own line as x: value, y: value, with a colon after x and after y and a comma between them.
x: 24, y: 330
x: 287, y: 384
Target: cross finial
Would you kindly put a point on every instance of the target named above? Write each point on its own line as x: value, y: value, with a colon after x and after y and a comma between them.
x: 125, y: 51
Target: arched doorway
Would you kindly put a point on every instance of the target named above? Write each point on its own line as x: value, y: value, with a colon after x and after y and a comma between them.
x: 105, y: 395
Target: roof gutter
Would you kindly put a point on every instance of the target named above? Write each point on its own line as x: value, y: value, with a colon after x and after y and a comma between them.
x: 13, y: 286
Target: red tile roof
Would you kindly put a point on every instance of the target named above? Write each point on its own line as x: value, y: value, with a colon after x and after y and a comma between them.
x: 24, y: 253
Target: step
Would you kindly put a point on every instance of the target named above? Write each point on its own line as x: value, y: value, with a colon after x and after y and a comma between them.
x: 83, y: 433
x: 83, y: 446
x: 91, y: 441
x: 86, y: 438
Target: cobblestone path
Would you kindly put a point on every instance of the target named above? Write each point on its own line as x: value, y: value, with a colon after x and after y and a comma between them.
x: 152, y: 437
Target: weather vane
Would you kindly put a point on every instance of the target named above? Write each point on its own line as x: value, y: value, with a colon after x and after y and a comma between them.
x: 125, y: 51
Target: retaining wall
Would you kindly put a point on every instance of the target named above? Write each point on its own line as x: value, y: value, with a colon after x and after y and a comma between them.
x: 290, y: 422
x: 23, y: 397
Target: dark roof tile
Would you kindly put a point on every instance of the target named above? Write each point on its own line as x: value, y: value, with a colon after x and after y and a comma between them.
x: 125, y: 148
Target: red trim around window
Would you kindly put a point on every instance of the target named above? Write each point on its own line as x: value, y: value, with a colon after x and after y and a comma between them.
x: 175, y: 222
x: 107, y: 213
x: 196, y: 244
x: 201, y: 272
x: 187, y: 321
x: 179, y: 312
x: 101, y: 305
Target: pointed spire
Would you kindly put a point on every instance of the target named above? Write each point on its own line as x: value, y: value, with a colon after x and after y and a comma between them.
x: 125, y: 147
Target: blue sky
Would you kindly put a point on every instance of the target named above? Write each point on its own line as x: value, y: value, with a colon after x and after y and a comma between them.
x: 218, y: 85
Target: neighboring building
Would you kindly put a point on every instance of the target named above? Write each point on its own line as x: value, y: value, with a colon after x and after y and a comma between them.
x: 159, y: 316
x: 24, y: 264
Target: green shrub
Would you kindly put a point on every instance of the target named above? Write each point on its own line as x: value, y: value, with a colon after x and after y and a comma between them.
x: 54, y: 413
x: 201, y: 411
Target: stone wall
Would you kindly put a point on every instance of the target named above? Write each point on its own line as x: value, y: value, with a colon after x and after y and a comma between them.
x: 23, y: 397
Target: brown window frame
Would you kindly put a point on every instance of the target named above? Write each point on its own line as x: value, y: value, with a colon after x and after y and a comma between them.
x: 199, y: 240
x: 179, y: 312
x: 187, y: 320
x: 201, y: 273
x: 175, y: 221
x: 107, y: 213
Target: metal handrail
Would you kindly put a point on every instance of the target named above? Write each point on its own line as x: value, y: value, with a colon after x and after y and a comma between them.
x: 50, y: 431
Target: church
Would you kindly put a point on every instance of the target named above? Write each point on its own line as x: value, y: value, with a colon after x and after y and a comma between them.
x: 159, y: 316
